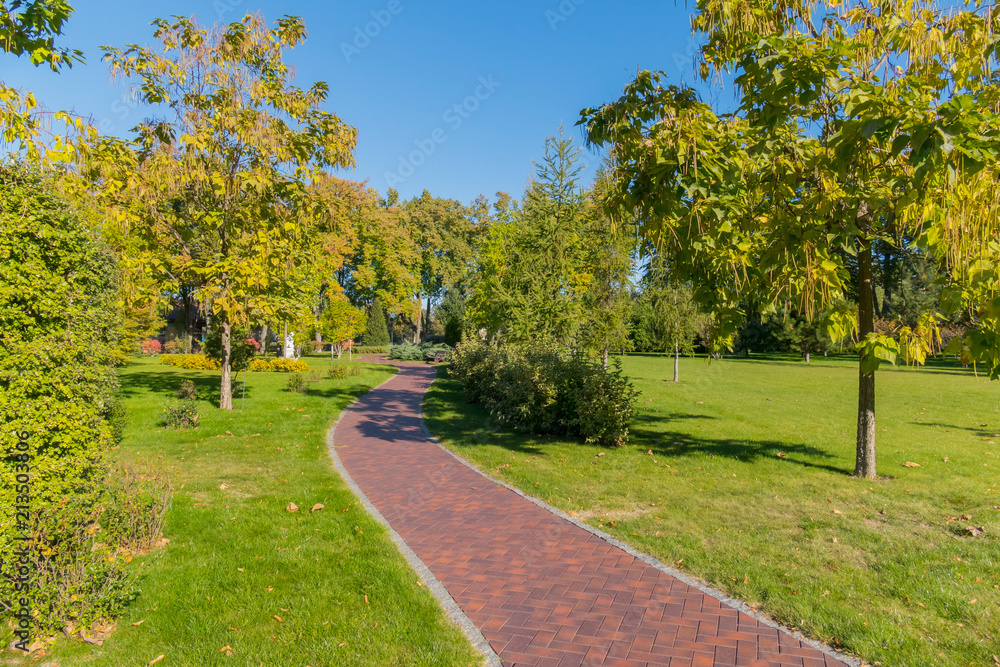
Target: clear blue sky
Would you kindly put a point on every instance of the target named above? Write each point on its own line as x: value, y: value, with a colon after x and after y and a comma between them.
x: 542, y: 61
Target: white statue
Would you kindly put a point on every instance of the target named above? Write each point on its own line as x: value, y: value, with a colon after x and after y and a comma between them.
x: 289, y: 345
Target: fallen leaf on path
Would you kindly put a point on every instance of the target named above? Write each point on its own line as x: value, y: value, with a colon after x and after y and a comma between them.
x: 292, y: 507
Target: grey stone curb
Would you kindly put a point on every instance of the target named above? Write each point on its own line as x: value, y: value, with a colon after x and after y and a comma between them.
x: 734, y: 603
x: 436, y: 588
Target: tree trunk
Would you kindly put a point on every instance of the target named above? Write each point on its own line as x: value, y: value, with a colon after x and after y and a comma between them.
x: 607, y: 350
x: 427, y: 327
x: 420, y: 319
x: 677, y: 361
x: 263, y: 340
x: 865, y: 461
x: 808, y: 357
x: 226, y: 393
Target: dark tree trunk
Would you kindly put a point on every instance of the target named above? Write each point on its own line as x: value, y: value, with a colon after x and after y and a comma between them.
x: 865, y: 461
x: 226, y: 393
x: 427, y: 327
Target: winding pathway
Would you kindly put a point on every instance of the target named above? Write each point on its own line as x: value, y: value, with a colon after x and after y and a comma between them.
x: 541, y: 588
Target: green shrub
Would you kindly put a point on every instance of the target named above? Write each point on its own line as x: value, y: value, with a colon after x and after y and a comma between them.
x: 182, y: 415
x: 337, y: 372
x: 242, y: 347
x: 59, y: 332
x: 188, y: 391
x: 543, y: 392
x: 297, y: 384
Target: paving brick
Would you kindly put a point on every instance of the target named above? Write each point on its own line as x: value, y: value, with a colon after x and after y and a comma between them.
x: 542, y: 590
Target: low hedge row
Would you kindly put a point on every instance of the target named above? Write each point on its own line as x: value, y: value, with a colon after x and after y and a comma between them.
x: 546, y: 393
x: 410, y: 352
x: 199, y: 362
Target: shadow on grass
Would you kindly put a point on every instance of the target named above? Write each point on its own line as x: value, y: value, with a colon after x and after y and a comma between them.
x: 677, y: 444
x: 978, y: 431
x: 164, y: 383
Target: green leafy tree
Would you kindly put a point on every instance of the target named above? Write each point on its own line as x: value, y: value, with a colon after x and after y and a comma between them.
x: 219, y: 188
x: 376, y: 333
x: 669, y: 315
x: 341, y: 322
x: 804, y: 336
x: 856, y: 124
x: 29, y: 28
x: 442, y: 232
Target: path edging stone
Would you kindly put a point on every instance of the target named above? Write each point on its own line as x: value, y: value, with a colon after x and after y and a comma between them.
x: 701, y: 586
x: 437, y: 589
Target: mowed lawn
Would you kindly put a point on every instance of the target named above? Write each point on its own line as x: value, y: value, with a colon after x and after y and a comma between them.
x: 245, y: 582
x: 740, y: 476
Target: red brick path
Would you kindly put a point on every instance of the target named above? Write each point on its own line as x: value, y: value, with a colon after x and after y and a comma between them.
x: 542, y: 590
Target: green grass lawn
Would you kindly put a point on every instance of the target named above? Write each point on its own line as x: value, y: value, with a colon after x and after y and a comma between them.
x: 238, y: 561
x: 740, y: 475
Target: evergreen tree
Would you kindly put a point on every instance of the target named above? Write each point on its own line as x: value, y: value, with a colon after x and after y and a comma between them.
x: 377, y: 328
x: 533, y: 265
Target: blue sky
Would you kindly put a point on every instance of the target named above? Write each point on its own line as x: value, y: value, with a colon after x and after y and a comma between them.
x: 516, y: 70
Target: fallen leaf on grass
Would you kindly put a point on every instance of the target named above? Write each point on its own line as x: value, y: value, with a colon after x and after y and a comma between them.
x: 292, y: 507
x: 366, y: 600
x: 974, y: 531
x: 139, y: 622
x: 223, y: 487
x: 837, y: 512
x: 996, y: 660
x: 973, y: 601
x: 317, y: 507
x: 157, y: 659
x: 277, y: 618
x: 911, y: 464
x: 341, y: 644
x: 227, y: 649
x: 781, y: 455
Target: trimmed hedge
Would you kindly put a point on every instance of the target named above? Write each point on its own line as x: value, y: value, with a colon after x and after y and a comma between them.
x: 410, y: 352
x: 363, y: 349
x: 199, y: 362
x: 545, y: 393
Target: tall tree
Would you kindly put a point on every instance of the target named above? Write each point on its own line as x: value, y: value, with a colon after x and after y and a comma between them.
x: 442, y: 232
x: 858, y: 123
x: 532, y: 265
x: 219, y: 189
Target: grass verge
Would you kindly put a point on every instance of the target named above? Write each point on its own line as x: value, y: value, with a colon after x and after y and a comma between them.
x: 244, y: 581
x: 740, y: 475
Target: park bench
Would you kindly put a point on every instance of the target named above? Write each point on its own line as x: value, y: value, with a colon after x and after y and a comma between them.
x: 438, y: 357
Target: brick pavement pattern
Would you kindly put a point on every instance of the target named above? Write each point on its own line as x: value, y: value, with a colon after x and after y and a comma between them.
x: 542, y: 590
